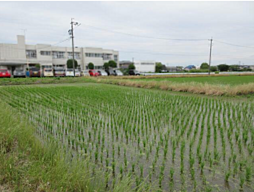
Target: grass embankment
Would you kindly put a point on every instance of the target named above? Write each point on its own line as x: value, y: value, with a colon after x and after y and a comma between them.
x: 181, y: 77
x: 192, y: 87
x: 223, y: 80
x: 47, y: 80
x: 28, y: 165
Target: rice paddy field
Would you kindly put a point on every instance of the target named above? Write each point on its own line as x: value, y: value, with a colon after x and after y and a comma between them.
x: 221, y: 80
x: 180, y: 142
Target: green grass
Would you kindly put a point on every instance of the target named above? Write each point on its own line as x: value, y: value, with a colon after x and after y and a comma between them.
x: 47, y: 80
x: 135, y: 132
x: 222, y: 80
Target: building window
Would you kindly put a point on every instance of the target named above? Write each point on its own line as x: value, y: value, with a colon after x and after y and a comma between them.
x: 115, y: 58
x: 31, y: 54
x: 58, y: 55
x: 46, y: 53
x: 106, y: 56
x: 98, y: 55
x: 147, y: 63
x: 76, y: 55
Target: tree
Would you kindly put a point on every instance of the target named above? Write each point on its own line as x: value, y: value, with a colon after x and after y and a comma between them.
x: 106, y: 66
x: 234, y: 68
x: 38, y: 66
x: 204, y: 66
x: 90, y: 66
x: 112, y: 64
x: 131, y: 67
x: 223, y: 67
x: 70, y: 63
x: 158, y: 67
x: 214, y: 68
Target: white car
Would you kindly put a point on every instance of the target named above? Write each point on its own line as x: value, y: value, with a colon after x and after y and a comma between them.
x: 85, y: 73
x: 48, y: 72
x: 77, y: 73
x: 69, y: 73
x: 118, y: 72
x: 102, y: 73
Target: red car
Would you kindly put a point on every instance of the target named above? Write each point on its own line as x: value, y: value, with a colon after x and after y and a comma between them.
x: 93, y: 73
x: 4, y: 73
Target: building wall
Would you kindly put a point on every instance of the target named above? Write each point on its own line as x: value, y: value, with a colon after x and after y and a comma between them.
x: 145, y: 66
x: 16, y: 53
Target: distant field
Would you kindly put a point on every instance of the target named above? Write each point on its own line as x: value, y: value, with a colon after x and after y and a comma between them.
x: 225, y: 80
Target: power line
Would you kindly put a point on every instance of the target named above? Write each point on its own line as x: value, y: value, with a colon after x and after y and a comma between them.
x: 233, y: 44
x: 140, y: 52
x: 149, y: 37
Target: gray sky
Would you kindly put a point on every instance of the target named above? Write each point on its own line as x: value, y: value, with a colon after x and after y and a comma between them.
x: 49, y: 22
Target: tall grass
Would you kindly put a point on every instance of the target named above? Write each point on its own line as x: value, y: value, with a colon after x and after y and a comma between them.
x: 192, y: 87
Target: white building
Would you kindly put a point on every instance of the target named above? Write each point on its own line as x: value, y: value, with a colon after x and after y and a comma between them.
x: 145, y: 66
x: 22, y: 55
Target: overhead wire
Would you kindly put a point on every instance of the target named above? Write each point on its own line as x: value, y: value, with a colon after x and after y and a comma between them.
x: 150, y: 37
x: 233, y: 44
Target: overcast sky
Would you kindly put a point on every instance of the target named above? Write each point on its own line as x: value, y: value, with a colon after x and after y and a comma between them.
x: 49, y: 22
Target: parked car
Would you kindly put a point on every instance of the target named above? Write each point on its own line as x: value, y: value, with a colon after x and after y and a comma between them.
x: 34, y: 72
x: 102, y: 73
x: 118, y: 72
x: 133, y: 72
x: 77, y: 73
x: 69, y: 73
x: 111, y: 72
x: 48, y: 72
x: 19, y: 73
x: 5, y: 73
x: 93, y: 73
x: 59, y: 72
x: 85, y: 73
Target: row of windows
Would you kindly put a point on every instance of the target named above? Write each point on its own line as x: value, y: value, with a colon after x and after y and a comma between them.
x: 105, y: 56
x: 55, y: 54
x: 61, y: 55
x: 147, y: 64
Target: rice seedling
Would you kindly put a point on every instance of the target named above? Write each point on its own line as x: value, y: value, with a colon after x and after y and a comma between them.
x: 144, y: 133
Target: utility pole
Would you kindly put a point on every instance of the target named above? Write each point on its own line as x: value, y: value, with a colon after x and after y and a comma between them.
x: 71, y: 32
x: 210, y: 55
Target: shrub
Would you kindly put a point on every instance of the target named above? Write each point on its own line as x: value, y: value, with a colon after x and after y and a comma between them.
x: 90, y: 66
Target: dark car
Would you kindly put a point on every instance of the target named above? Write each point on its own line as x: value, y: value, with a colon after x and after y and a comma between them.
x: 59, y: 72
x: 34, y: 72
x: 19, y: 73
x: 4, y: 73
x: 134, y: 72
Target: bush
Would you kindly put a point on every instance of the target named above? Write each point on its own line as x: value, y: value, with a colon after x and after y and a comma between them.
x: 70, y: 63
x: 223, y: 67
x: 112, y: 64
x: 132, y: 67
x: 90, y: 66
x: 204, y: 66
x: 106, y: 66
x: 158, y: 67
x: 213, y: 68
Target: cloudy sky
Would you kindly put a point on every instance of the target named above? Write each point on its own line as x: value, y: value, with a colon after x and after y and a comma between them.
x: 175, y: 33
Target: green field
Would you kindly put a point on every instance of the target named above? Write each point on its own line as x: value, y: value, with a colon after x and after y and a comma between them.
x: 173, y: 141
x: 224, y: 80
